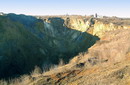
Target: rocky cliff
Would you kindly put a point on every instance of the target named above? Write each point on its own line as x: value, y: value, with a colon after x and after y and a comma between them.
x: 96, y: 26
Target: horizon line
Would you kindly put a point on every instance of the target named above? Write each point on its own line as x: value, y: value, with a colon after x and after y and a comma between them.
x: 67, y: 14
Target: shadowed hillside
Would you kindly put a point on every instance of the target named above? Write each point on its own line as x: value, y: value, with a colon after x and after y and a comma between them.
x: 26, y: 42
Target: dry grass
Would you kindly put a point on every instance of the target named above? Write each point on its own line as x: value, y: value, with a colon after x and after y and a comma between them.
x: 113, y: 47
x: 116, y: 21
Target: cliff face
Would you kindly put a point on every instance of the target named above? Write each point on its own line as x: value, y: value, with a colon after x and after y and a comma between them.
x: 79, y: 24
x: 94, y: 26
x: 100, y: 28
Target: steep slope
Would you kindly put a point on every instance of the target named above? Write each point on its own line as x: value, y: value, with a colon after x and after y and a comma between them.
x: 27, y: 42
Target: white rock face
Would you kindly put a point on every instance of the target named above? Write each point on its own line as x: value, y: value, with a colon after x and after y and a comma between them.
x: 97, y: 27
x: 78, y: 24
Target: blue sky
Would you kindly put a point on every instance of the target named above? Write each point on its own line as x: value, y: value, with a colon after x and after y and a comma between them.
x: 120, y: 8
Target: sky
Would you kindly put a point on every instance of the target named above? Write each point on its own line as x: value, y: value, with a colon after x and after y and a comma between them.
x: 119, y: 8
